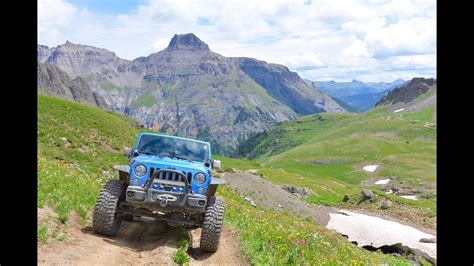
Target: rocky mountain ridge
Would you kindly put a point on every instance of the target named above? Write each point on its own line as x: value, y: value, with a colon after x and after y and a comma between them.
x: 408, y: 92
x: 53, y: 81
x: 188, y: 90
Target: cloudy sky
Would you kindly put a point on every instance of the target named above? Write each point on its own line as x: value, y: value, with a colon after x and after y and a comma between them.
x: 338, y: 40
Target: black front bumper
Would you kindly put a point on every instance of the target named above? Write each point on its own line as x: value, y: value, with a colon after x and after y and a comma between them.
x: 168, y: 201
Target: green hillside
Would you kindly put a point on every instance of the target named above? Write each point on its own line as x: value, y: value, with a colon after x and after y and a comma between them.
x: 77, y: 148
x: 326, y: 153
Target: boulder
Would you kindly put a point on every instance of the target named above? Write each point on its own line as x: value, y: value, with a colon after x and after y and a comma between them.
x: 299, y: 192
x: 346, y: 198
x: 427, y: 196
x: 428, y: 240
x: 367, y: 194
x: 406, y: 191
x: 252, y: 203
x: 66, y: 141
x: 385, y: 205
x: 252, y: 171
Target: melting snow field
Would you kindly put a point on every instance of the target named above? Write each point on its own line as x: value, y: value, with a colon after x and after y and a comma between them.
x: 370, y: 168
x: 382, y: 182
x: 377, y: 232
x: 399, y: 110
x: 409, y: 197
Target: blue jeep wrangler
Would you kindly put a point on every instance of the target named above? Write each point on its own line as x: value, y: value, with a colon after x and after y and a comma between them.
x: 168, y: 178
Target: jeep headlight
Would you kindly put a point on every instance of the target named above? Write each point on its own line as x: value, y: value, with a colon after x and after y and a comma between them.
x: 199, y: 178
x: 140, y: 170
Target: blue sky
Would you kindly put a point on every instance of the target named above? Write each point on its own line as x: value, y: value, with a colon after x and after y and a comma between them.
x: 368, y: 40
x: 108, y: 6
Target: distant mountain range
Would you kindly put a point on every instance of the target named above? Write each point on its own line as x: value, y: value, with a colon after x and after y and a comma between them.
x: 188, y: 90
x: 355, y: 87
x: 416, y: 94
x: 356, y: 96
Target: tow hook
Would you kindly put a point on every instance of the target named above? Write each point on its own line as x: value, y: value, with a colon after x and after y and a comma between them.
x: 164, y: 202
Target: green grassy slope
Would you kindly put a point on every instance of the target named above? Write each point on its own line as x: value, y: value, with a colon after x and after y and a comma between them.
x: 71, y: 173
x: 327, y: 152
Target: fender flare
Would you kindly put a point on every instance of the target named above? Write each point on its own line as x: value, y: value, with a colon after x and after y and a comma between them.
x: 217, y: 181
x: 124, y: 172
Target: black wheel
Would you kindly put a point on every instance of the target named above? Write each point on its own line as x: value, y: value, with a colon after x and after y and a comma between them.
x: 212, y: 225
x: 105, y: 220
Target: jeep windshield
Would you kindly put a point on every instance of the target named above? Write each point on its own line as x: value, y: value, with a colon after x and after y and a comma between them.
x: 174, y: 148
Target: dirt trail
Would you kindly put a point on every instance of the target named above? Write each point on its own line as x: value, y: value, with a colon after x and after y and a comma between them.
x: 140, y: 242
x: 264, y: 193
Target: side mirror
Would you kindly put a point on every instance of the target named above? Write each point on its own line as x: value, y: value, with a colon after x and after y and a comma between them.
x: 127, y: 151
x: 216, y: 164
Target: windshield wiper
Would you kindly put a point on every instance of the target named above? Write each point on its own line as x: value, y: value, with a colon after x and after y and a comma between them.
x: 177, y: 157
x: 181, y: 158
x: 149, y: 153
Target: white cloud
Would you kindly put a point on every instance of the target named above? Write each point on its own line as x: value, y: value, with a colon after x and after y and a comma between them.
x: 304, y: 61
x: 53, y: 18
x: 357, y: 48
x: 160, y: 44
x: 342, y: 39
x: 408, y: 36
x: 410, y: 62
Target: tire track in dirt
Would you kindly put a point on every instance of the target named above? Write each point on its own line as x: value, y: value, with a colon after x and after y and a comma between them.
x: 141, y: 242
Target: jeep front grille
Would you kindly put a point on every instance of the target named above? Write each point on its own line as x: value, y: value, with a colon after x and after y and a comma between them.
x: 170, y: 178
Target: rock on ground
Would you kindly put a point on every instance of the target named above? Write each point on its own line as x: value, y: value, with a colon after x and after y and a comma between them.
x: 367, y: 194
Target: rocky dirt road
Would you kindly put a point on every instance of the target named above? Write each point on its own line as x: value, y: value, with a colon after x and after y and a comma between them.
x: 141, y: 242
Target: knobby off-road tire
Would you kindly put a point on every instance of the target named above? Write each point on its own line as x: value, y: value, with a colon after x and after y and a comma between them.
x: 105, y: 220
x: 212, y: 225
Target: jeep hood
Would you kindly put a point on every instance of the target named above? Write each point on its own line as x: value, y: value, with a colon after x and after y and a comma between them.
x: 171, y: 162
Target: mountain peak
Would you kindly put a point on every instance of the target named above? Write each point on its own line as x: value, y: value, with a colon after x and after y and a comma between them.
x: 187, y: 41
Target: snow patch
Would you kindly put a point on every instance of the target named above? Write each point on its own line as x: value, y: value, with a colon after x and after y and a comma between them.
x: 377, y: 232
x: 370, y: 168
x: 409, y: 197
x: 382, y: 182
x: 399, y: 110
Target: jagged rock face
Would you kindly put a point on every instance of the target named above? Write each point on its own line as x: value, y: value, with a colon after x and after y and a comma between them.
x: 54, y: 82
x: 43, y: 53
x: 407, y: 92
x: 188, y: 90
x: 288, y: 87
x: 187, y: 42
x: 90, y: 63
